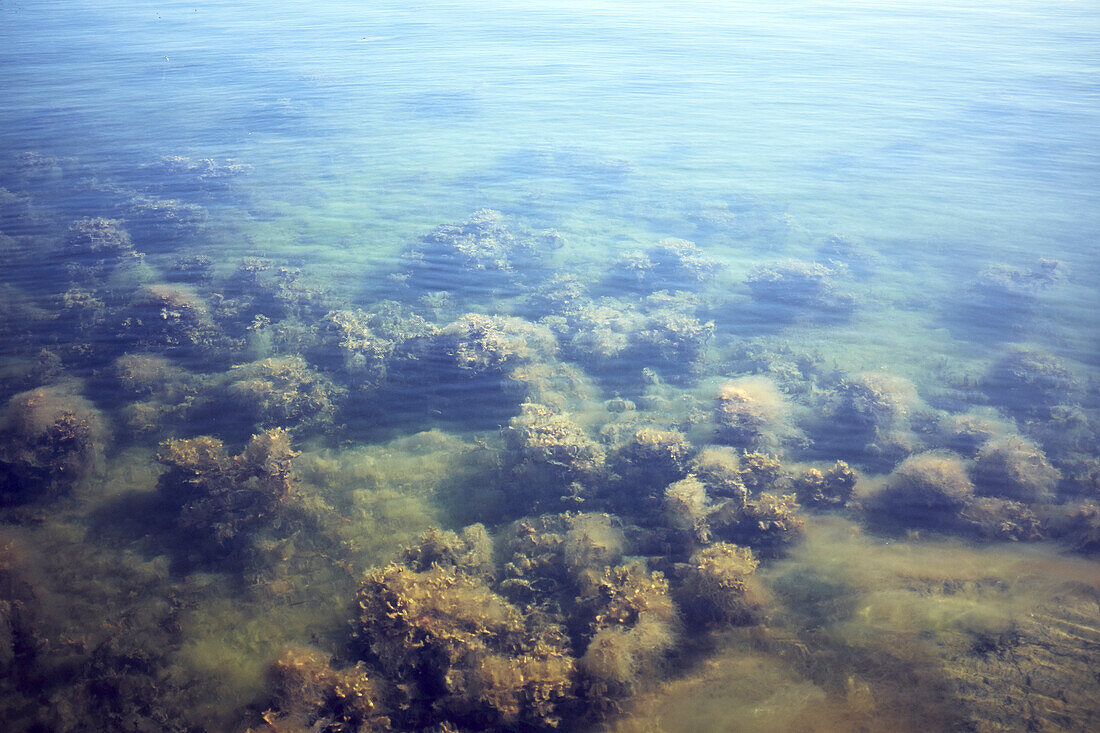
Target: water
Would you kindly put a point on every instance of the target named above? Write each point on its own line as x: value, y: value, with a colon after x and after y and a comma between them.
x: 893, y: 206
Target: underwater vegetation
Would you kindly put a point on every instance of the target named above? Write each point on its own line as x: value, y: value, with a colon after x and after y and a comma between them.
x: 671, y: 264
x: 1014, y: 468
x: 437, y: 641
x: 752, y: 414
x: 719, y: 580
x: 926, y: 490
x: 284, y: 391
x: 872, y: 413
x: 359, y: 346
x: 482, y: 252
x: 613, y: 336
x: 488, y: 489
x: 51, y: 440
x: 549, y: 457
x: 1031, y: 383
x: 237, y: 511
x: 652, y: 459
x: 100, y: 246
x: 155, y: 394
x: 170, y: 320
x: 1004, y: 299
x: 801, y: 289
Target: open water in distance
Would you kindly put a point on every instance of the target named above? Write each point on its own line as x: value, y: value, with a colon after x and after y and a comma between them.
x: 464, y: 366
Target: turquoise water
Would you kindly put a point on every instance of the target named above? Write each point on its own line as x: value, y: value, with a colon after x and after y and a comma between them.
x: 894, y: 209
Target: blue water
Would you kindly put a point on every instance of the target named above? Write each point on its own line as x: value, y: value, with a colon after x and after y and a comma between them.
x: 948, y: 135
x: 936, y: 140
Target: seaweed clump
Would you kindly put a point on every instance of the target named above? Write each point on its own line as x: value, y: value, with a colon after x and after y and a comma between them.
x: 470, y: 551
x: 549, y: 457
x: 1001, y: 519
x: 477, y: 346
x: 184, y: 176
x: 460, y: 652
x: 97, y: 247
x: 874, y: 410
x: 651, y: 460
x: 1003, y: 295
x: 309, y: 694
x: 673, y: 337
x: 686, y: 508
x: 171, y: 320
x: 438, y: 642
x: 717, y: 585
x: 1077, y: 526
x: 719, y: 468
x: 1031, y: 383
x: 800, y: 287
x: 1002, y: 496
x: 50, y: 441
x: 965, y: 433
x: 750, y: 413
x: 156, y: 392
x: 748, y: 501
x: 926, y: 491
x: 634, y: 623
x: 597, y: 333
x: 498, y: 361
x: 1003, y: 283
x: 359, y: 346
x: 284, y: 391
x: 1015, y: 468
x: 234, y: 507
x: 552, y: 557
x: 163, y: 224
x: 609, y: 335
x: 831, y: 488
x: 493, y: 344
x: 671, y: 264
x: 769, y: 523
x: 481, y: 251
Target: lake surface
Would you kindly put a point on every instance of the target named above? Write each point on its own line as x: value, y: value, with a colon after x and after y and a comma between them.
x: 649, y: 366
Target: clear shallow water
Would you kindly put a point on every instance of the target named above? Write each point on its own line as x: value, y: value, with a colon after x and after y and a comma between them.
x: 950, y: 148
